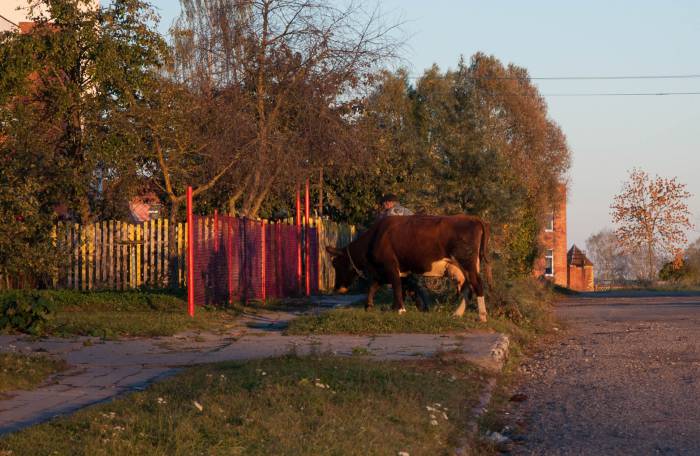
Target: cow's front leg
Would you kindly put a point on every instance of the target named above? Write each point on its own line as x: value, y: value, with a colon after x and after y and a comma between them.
x: 370, y: 294
x: 398, y: 292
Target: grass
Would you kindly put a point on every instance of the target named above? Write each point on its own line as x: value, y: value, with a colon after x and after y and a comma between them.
x: 285, y: 406
x: 521, y: 309
x: 115, y: 314
x: 25, y: 372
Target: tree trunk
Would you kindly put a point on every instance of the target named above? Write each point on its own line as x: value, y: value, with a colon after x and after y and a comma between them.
x: 650, y: 263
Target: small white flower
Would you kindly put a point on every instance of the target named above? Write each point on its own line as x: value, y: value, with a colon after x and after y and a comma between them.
x: 444, y: 415
x: 403, y: 453
x: 434, y: 422
x: 162, y: 401
x: 198, y: 405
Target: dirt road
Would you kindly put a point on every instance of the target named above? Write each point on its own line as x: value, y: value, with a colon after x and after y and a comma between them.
x: 622, y: 378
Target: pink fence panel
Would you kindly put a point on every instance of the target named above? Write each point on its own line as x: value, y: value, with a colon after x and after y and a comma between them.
x: 243, y: 259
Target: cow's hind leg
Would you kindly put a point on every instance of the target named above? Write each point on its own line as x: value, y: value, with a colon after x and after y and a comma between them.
x: 457, y: 274
x: 374, y: 286
x: 478, y: 287
x: 395, y: 280
x: 420, y: 295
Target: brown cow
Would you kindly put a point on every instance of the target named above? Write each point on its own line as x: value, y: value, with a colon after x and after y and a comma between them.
x: 431, y: 246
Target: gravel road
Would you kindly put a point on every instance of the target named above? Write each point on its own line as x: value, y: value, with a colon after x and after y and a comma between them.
x: 622, y: 377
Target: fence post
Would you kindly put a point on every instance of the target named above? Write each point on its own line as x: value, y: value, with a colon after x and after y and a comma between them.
x: 263, y: 262
x: 298, y: 241
x: 190, y: 254
x: 307, y: 244
x: 229, y: 256
x: 216, y: 230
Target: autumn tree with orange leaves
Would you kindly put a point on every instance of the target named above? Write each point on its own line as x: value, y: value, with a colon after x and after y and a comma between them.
x: 652, y: 216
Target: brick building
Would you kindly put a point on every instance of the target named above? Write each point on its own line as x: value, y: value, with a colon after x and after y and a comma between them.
x: 579, y: 270
x: 573, y: 269
x: 553, y: 265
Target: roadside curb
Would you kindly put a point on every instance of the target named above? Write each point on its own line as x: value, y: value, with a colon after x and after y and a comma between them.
x: 498, y: 355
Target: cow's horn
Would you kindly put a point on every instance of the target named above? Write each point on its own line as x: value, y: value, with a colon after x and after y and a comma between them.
x: 334, y: 251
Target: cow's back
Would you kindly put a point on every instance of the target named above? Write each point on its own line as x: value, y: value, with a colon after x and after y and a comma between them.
x: 417, y: 241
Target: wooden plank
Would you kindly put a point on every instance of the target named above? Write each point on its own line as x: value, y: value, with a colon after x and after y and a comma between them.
x: 112, y: 255
x: 104, y: 242
x: 97, y: 227
x: 117, y: 256
x: 179, y: 254
x: 152, y: 253
x: 146, y: 250
x: 125, y: 256
x: 132, y: 256
x: 139, y: 248
x: 90, y: 232
x: 166, y: 252
x: 82, y: 253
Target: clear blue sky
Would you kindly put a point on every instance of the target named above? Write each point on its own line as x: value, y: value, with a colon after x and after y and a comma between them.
x: 607, y: 135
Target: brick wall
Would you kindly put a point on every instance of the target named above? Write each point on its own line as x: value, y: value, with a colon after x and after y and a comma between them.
x: 580, y: 278
x: 555, y: 240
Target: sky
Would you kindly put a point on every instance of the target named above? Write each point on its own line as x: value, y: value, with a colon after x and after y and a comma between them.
x: 608, y: 135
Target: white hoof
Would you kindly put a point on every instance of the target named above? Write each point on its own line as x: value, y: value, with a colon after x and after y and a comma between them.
x: 402, y: 311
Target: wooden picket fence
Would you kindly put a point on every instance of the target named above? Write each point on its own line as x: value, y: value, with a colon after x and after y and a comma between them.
x: 119, y: 255
x: 335, y: 234
x: 116, y: 255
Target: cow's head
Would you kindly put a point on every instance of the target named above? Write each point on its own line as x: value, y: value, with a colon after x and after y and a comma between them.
x: 345, y: 274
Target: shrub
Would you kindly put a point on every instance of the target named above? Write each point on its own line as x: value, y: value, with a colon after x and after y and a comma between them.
x: 24, y: 311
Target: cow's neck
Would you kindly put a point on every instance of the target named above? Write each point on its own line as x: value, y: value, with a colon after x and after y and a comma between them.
x: 358, y: 250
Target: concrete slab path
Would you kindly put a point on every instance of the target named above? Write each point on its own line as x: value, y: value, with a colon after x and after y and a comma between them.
x: 101, y: 370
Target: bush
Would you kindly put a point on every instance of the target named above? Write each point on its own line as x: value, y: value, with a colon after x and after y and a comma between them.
x: 24, y: 311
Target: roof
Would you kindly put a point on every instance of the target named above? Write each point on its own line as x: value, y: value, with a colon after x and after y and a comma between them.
x: 576, y: 257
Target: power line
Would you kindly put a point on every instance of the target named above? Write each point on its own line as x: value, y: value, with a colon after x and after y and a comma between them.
x: 579, y: 78
x: 620, y: 94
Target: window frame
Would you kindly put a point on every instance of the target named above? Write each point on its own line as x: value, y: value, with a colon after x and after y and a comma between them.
x: 549, y: 254
x: 549, y: 225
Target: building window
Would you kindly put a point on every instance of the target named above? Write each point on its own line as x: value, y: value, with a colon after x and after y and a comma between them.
x: 549, y: 263
x: 549, y: 224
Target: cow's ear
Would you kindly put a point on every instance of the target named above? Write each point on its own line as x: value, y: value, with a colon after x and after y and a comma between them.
x: 334, y: 251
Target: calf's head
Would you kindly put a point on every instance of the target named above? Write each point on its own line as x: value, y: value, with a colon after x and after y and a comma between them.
x: 345, y: 273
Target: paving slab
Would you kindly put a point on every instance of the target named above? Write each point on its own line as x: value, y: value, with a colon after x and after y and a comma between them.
x: 102, y: 370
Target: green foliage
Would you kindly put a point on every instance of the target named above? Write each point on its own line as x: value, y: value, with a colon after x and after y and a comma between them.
x: 24, y: 311
x: 477, y: 140
x: 62, y: 88
x: 111, y: 314
x: 521, y: 248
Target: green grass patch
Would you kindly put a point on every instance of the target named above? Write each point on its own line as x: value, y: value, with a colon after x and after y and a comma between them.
x: 284, y: 406
x: 114, y: 314
x: 25, y: 372
x: 519, y: 308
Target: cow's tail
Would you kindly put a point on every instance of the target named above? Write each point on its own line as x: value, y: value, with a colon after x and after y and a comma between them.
x: 483, y: 253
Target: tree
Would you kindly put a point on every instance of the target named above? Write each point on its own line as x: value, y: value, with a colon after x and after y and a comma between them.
x: 296, y: 68
x: 652, y: 215
x: 78, y: 65
x: 60, y: 86
x: 610, y: 260
x: 476, y: 140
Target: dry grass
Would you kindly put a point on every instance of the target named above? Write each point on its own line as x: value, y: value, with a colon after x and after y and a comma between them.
x: 25, y: 372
